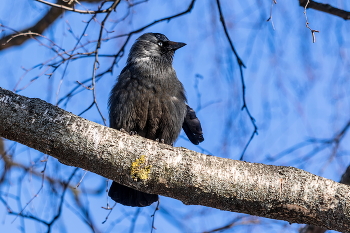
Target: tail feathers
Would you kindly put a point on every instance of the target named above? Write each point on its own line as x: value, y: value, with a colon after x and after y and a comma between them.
x: 130, y: 197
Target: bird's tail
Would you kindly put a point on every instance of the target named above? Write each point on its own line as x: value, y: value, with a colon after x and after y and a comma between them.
x: 130, y: 197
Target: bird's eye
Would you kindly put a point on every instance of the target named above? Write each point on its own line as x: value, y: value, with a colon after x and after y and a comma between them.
x: 160, y: 43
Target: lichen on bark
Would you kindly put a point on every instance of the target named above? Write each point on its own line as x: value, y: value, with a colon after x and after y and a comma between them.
x: 139, y: 169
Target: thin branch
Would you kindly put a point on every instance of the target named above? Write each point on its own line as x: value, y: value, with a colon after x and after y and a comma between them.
x: 44, y: 23
x: 29, y: 217
x: 325, y: 8
x: 81, y: 180
x: 96, y: 62
x: 222, y: 20
x: 110, y: 209
x: 39, y: 28
x: 134, y: 219
x: 307, y: 23
x: 54, y: 219
x: 36, y: 195
x: 335, y: 141
x: 120, y: 53
x: 64, y: 7
x: 270, y: 18
x: 154, y: 216
x: 241, y: 66
x: 235, y: 222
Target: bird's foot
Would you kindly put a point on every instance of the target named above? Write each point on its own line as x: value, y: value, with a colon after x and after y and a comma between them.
x: 132, y: 133
x: 161, y: 140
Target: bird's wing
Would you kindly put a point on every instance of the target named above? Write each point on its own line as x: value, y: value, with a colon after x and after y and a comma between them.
x: 192, y: 127
x: 128, y: 103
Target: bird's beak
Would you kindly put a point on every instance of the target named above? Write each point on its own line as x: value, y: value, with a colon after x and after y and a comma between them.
x: 175, y: 45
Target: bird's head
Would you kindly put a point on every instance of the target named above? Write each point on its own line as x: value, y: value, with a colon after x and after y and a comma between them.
x: 153, y: 46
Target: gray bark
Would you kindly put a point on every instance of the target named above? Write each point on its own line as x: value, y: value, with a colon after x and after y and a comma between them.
x: 345, y: 179
x: 277, y: 192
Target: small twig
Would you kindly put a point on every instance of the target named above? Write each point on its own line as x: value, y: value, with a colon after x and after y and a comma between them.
x: 110, y: 211
x: 66, y: 66
x: 30, y: 217
x: 241, y: 66
x: 153, y: 215
x: 81, y: 180
x: 235, y: 222
x: 30, y: 34
x: 321, y: 145
x: 59, y: 212
x: 134, y: 219
x: 97, y: 63
x: 86, y: 87
x: 307, y: 24
x: 336, y: 141
x: 37, y: 194
x: 196, y: 84
x: 167, y: 19
x: 270, y: 18
x: 73, y: 9
x: 90, y: 106
x: 325, y: 8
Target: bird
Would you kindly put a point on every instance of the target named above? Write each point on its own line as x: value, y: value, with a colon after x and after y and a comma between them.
x: 149, y: 100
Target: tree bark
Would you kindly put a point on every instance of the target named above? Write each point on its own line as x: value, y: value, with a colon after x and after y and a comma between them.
x: 277, y: 192
x: 345, y: 179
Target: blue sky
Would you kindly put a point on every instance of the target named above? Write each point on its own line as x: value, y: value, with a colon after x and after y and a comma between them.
x: 295, y: 90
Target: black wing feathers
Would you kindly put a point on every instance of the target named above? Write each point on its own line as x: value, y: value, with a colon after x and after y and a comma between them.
x: 192, y: 127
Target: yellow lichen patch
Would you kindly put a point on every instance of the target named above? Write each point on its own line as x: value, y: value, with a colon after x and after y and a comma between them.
x: 139, y: 170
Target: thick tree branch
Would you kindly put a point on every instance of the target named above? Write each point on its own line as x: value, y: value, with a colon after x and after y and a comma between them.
x: 277, y: 192
x: 345, y: 179
x: 325, y: 8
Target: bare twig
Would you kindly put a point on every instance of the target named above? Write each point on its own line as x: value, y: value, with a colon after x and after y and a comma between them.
x: 134, y: 219
x: 96, y: 62
x: 241, y: 66
x: 65, y: 7
x: 39, y: 28
x: 46, y: 21
x: 54, y: 219
x: 323, y: 144
x: 82, y: 178
x: 325, y: 8
x: 154, y: 215
x: 307, y: 23
x: 35, y: 195
x: 270, y: 18
x: 235, y: 222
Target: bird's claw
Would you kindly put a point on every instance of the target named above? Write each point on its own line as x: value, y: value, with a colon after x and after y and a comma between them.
x: 161, y: 140
x: 133, y: 133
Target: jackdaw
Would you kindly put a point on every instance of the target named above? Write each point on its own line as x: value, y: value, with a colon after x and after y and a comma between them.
x: 148, y: 99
